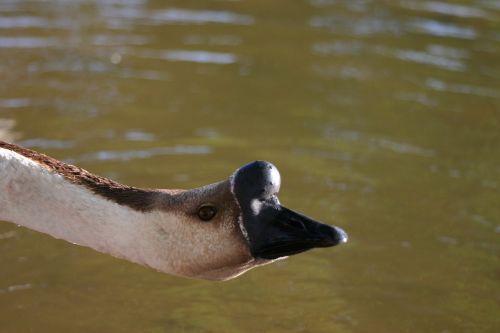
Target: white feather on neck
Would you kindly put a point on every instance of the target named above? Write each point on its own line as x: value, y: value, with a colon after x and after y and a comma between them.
x: 37, y: 198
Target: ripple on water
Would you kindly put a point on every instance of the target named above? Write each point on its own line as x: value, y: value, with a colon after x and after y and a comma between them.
x: 417, y: 97
x: 125, y: 12
x: 94, y: 67
x: 448, y: 52
x: 220, y: 58
x: 447, y: 240
x: 404, y: 148
x: 439, y: 85
x: 6, y: 132
x: 137, y: 135
x: 201, y: 16
x: 338, y: 48
x: 342, y: 72
x: 176, y: 16
x: 119, y: 40
x: 70, y: 65
x: 8, y: 234
x: 445, y: 8
x: 427, y: 58
x: 121, y: 2
x: 365, y: 26
x: 46, y: 143
x: 27, y: 42
x: 490, y: 4
x: 435, y: 55
x: 16, y: 287
x: 141, y: 154
x: 128, y: 73
x: 15, y: 22
x: 440, y: 29
x: 229, y: 40
x: 11, y: 103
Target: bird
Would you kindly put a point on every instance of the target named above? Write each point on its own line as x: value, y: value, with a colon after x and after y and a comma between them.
x: 214, y: 232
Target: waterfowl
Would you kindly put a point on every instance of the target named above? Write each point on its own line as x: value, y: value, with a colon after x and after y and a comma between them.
x: 216, y: 232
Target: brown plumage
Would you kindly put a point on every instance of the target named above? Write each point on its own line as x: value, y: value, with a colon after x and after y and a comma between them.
x: 133, y: 197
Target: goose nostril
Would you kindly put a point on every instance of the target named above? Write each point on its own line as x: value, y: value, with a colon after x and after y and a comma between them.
x: 297, y: 224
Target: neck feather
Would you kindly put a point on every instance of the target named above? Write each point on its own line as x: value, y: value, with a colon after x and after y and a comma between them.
x: 69, y: 203
x: 132, y: 197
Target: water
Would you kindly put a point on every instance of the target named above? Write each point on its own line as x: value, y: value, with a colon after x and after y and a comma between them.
x: 382, y: 116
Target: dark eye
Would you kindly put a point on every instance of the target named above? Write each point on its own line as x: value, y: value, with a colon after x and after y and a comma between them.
x: 206, y: 213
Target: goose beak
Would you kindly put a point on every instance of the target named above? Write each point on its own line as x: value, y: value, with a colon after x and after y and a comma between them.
x: 274, y: 231
x: 287, y: 232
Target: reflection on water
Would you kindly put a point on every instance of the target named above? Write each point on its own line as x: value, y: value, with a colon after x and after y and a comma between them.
x: 461, y: 88
x: 141, y: 154
x: 23, y: 22
x: 15, y: 103
x: 6, y: 129
x: 192, y: 56
x: 37, y: 143
x: 199, y: 17
x: 431, y: 59
x: 446, y: 8
x: 383, y: 118
x: 440, y: 29
x: 26, y: 42
x: 174, y: 16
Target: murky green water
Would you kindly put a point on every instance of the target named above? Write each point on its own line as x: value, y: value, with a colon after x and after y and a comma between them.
x: 382, y: 116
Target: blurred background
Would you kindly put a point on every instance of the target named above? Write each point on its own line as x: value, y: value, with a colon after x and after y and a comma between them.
x: 382, y: 116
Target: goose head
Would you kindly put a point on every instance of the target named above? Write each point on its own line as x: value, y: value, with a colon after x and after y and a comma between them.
x: 229, y: 227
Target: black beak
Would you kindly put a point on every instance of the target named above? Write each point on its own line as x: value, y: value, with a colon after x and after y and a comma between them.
x: 286, y: 232
x: 274, y: 231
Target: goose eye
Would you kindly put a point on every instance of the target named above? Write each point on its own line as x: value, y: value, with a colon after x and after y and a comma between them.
x: 206, y: 213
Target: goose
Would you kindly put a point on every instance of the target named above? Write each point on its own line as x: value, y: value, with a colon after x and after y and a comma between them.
x: 214, y: 232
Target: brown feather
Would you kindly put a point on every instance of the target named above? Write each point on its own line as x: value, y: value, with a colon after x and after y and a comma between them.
x: 136, y: 198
